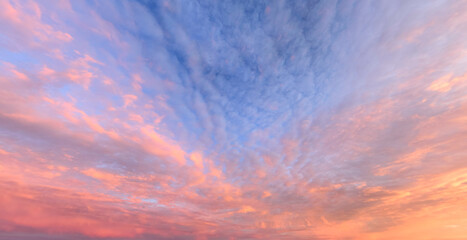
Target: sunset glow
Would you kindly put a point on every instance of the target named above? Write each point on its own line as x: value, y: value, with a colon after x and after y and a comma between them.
x: 212, y: 120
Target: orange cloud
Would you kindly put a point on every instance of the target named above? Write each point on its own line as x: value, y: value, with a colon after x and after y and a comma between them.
x: 160, y: 146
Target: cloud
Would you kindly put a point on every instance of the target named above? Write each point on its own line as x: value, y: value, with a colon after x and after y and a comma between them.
x: 232, y: 120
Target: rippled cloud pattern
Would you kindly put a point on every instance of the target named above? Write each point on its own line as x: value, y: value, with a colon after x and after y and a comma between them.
x: 211, y: 120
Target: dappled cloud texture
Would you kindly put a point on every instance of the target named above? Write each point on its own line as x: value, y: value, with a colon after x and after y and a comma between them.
x: 233, y: 120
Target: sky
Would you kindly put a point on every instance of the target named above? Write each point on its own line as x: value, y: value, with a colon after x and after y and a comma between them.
x: 212, y: 120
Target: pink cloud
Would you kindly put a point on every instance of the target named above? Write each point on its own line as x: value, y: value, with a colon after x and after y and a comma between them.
x: 23, y: 25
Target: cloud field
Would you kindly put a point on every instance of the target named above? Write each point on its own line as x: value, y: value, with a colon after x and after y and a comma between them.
x: 233, y: 120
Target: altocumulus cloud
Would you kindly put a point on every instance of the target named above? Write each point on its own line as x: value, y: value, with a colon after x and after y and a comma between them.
x: 233, y: 119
